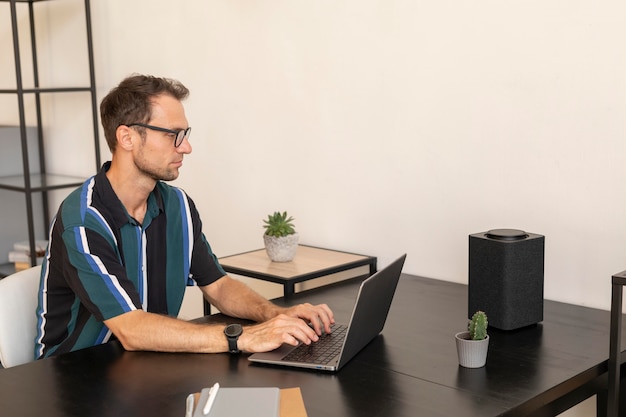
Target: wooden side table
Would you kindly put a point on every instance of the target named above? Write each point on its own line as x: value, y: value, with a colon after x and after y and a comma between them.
x: 310, y: 262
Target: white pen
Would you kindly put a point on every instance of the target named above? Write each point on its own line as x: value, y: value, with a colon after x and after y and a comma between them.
x: 189, y: 406
x: 211, y: 399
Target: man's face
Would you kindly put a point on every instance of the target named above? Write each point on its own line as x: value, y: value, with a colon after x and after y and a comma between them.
x: 157, y: 157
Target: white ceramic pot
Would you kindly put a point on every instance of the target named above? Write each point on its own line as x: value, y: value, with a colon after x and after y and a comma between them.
x: 281, y: 249
x: 472, y: 353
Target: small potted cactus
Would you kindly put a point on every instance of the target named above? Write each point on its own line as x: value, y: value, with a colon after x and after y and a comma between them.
x: 472, y: 345
x: 280, y: 237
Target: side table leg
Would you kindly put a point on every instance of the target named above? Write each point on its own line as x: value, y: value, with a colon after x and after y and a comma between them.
x: 373, y: 268
x: 289, y: 289
x: 614, y: 350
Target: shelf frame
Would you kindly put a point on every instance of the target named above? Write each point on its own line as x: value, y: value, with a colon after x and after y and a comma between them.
x: 43, y: 181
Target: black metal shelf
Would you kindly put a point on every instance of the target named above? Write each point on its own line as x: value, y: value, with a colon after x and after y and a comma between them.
x: 32, y: 90
x: 43, y: 181
x: 39, y: 182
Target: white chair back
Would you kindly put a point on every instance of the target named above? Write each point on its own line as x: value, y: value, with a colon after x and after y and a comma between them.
x: 18, y: 320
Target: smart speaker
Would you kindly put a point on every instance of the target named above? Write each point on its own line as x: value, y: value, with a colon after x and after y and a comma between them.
x: 506, y: 277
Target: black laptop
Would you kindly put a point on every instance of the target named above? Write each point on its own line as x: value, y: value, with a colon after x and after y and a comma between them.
x: 334, y: 350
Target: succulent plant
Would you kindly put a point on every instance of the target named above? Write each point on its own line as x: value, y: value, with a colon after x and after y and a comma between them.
x: 279, y: 225
x: 478, y: 326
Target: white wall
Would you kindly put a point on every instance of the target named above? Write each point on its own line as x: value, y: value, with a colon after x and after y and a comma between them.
x: 385, y: 126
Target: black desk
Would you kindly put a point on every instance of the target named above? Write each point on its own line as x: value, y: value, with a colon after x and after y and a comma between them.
x: 618, y: 281
x: 411, y: 370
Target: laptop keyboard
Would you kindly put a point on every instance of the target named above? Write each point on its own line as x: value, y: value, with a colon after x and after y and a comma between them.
x: 326, y: 348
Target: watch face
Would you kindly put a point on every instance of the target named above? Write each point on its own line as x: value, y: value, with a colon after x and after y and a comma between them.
x: 233, y: 330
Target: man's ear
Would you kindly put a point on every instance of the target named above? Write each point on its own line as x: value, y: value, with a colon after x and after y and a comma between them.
x: 124, y: 137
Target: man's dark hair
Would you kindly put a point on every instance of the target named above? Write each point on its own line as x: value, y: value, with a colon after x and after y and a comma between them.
x: 131, y: 102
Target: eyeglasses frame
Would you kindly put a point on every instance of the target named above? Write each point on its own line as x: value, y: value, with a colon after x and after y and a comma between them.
x: 178, y: 140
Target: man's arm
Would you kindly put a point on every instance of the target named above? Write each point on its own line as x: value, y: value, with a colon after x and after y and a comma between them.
x: 140, y: 330
x: 236, y: 299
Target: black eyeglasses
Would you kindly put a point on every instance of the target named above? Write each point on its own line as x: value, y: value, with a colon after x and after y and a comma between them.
x: 179, y: 135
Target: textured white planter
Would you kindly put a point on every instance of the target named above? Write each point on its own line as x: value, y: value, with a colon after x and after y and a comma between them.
x: 472, y: 353
x: 281, y: 249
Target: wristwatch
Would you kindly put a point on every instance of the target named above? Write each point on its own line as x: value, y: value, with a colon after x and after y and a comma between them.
x: 232, y: 332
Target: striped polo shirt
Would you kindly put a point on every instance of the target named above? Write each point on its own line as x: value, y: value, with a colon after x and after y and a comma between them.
x: 102, y: 263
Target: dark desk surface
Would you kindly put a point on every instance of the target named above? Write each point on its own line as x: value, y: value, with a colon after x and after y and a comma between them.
x: 410, y: 370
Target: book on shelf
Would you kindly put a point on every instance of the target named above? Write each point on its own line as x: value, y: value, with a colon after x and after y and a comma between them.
x: 20, y: 255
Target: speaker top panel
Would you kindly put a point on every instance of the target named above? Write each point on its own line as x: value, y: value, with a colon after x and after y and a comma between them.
x: 506, y: 234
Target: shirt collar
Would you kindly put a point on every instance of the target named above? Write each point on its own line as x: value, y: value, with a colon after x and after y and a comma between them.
x: 118, y: 211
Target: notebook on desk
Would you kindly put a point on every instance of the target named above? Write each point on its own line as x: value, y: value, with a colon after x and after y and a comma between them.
x: 240, y: 402
x: 345, y: 341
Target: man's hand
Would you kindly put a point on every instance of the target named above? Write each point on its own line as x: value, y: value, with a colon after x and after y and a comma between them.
x: 273, y: 333
x: 319, y: 316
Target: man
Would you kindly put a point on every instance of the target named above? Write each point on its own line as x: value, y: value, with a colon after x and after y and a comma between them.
x: 123, y: 247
